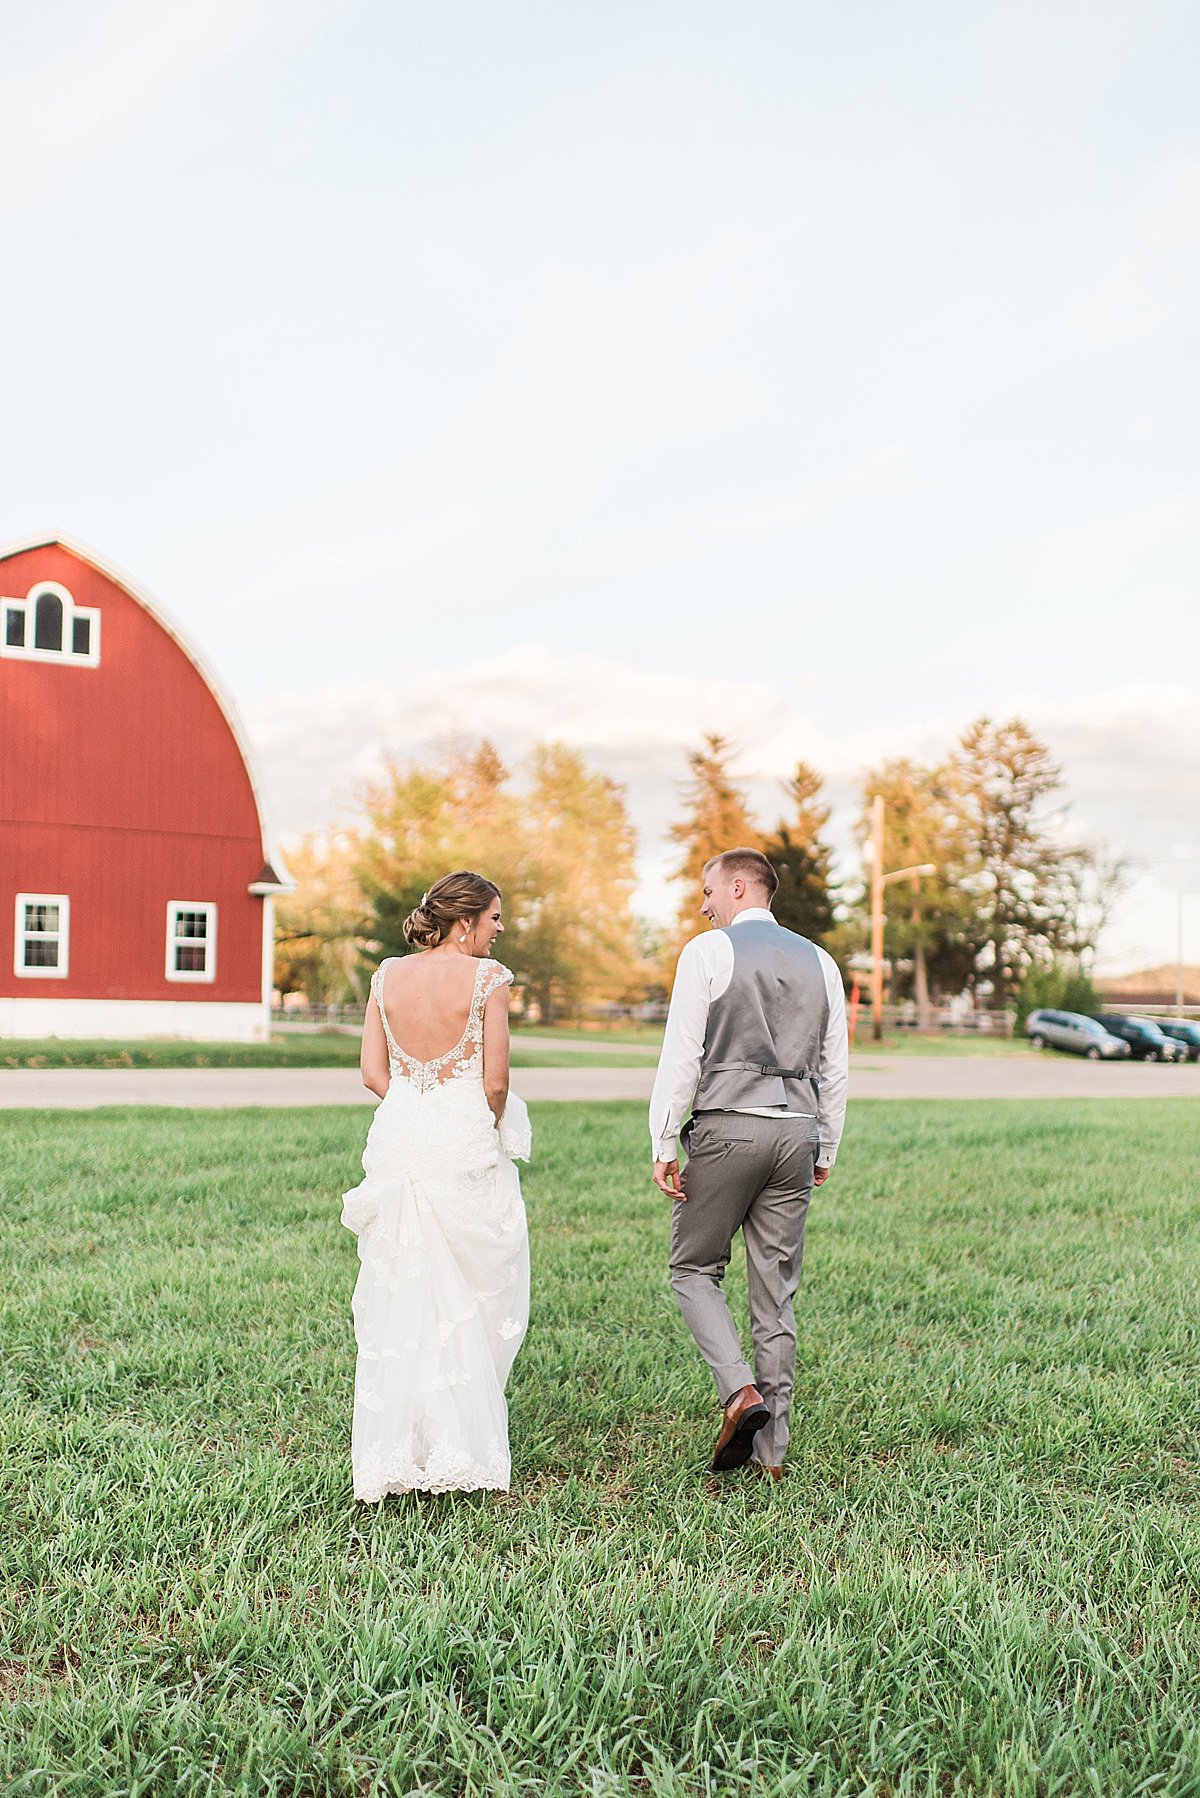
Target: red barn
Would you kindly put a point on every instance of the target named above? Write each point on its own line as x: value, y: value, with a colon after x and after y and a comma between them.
x: 136, y: 871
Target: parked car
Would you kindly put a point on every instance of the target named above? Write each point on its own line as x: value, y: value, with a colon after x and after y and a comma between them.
x: 1077, y: 1033
x: 1146, y: 1041
x: 1182, y: 1030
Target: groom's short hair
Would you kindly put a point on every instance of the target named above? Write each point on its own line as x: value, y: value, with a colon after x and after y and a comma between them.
x: 751, y: 864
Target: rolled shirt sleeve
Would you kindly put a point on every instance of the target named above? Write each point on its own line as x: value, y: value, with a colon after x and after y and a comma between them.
x: 834, y: 1066
x: 683, y: 1044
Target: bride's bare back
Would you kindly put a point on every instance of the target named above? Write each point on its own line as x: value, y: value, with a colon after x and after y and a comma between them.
x: 424, y: 1003
x: 428, y: 1002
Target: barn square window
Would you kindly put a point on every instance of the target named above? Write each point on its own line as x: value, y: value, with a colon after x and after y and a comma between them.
x: 47, y: 626
x: 42, y: 936
x: 191, y: 940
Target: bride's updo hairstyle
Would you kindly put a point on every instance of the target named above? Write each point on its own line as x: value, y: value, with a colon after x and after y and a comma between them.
x: 454, y: 899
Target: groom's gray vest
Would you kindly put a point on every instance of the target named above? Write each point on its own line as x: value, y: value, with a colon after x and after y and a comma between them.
x: 763, y: 1041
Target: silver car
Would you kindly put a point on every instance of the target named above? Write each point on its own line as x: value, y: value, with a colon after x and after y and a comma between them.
x: 1075, y: 1032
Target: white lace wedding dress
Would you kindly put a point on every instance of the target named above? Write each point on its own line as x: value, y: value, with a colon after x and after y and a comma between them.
x: 442, y: 1299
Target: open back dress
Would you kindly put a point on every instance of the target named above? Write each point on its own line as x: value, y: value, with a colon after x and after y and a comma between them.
x: 441, y: 1303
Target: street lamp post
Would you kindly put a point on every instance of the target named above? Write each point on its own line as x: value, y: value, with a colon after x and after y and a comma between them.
x: 879, y: 880
x: 1177, y: 861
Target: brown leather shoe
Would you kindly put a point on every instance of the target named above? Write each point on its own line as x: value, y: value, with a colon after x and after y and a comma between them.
x: 745, y: 1415
x: 767, y: 1473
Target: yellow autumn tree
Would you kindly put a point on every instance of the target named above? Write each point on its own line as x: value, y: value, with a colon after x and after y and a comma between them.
x: 575, y: 938
x: 555, y: 837
x: 426, y: 820
x: 319, y: 926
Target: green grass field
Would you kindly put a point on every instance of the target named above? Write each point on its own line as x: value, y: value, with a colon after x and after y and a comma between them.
x: 318, y: 1049
x: 981, y: 1575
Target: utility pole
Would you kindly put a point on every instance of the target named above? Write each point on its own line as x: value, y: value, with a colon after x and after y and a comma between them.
x: 879, y: 880
x: 877, y: 918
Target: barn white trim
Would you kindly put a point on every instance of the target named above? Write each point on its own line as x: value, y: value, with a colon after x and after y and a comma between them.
x: 124, y: 1020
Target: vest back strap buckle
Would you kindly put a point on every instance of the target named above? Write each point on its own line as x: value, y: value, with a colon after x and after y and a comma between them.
x: 760, y: 1067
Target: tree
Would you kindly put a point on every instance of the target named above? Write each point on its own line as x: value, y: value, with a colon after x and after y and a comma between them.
x: 717, y: 817
x: 575, y: 938
x: 1058, y: 986
x: 318, y: 927
x: 1087, y: 885
x: 561, y: 853
x: 931, y: 926
x: 426, y: 821
x: 802, y: 858
x: 1000, y: 780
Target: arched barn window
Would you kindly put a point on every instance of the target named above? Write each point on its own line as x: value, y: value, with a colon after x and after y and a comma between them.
x: 47, y: 626
x: 48, y: 622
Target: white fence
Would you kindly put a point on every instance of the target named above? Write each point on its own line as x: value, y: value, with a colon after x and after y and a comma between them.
x: 943, y: 1020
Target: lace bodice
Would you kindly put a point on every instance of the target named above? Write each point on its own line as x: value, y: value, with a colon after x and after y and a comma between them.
x: 465, y: 1060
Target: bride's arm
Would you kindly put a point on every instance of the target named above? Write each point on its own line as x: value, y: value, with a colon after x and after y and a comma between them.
x: 495, y: 1051
x: 373, y: 1060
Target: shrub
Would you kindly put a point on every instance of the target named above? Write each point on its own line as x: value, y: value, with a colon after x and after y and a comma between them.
x: 1058, y: 987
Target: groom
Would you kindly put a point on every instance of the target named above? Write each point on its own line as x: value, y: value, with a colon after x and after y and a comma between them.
x: 755, y: 1049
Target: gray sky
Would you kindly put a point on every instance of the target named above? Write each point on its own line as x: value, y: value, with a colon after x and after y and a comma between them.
x: 615, y: 371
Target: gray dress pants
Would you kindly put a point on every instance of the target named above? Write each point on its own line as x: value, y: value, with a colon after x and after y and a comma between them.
x: 753, y: 1174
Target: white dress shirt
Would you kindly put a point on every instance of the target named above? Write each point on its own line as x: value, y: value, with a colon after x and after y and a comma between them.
x: 703, y: 974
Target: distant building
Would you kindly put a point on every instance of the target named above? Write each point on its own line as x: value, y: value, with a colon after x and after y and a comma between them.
x: 1151, y: 987
x: 136, y: 871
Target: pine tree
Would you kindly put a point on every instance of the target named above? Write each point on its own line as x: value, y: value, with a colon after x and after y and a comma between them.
x: 717, y: 818
x: 803, y: 859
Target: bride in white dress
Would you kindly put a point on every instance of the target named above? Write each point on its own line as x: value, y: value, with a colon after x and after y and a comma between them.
x: 442, y: 1299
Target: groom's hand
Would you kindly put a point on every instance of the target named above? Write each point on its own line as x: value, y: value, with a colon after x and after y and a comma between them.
x: 820, y: 1175
x: 667, y: 1179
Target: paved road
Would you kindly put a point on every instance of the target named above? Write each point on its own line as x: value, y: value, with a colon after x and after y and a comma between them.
x: 880, y: 1077
x: 83, y: 1089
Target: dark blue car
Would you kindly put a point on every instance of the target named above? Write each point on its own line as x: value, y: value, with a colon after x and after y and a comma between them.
x: 1146, y: 1041
x: 1182, y: 1030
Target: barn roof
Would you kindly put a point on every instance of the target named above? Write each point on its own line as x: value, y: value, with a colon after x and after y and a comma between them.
x: 275, y: 876
x: 1152, y: 986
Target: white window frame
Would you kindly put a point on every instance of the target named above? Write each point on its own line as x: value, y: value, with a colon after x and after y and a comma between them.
x: 209, y: 972
x: 27, y: 607
x: 21, y: 936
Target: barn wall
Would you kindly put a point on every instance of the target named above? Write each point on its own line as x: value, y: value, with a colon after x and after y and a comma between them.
x: 119, y: 884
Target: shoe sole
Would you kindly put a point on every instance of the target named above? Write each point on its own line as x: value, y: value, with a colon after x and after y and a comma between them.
x: 737, y: 1450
